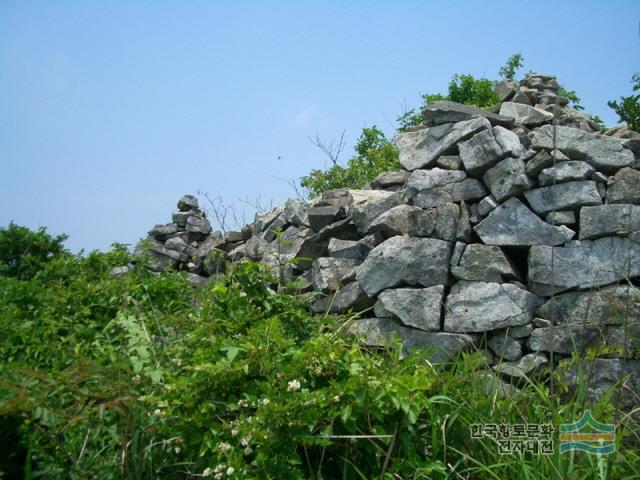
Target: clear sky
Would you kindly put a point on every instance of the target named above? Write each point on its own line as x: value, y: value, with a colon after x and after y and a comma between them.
x: 111, y: 110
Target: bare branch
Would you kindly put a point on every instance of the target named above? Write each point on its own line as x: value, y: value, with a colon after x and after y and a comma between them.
x: 331, y: 150
x: 294, y: 185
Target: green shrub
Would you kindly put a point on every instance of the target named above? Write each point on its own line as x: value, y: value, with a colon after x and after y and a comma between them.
x: 374, y: 154
x: 472, y: 91
x: 628, y: 108
x: 513, y: 63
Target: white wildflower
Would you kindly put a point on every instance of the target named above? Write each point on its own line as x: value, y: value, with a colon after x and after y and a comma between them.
x: 248, y: 451
x: 234, y: 433
x: 243, y: 294
x: 336, y: 398
x: 218, y: 476
x: 243, y: 403
x: 245, y: 441
x: 157, y: 412
x: 207, y: 472
x: 230, y: 471
x: 224, y: 447
x: 265, y: 401
x: 177, y: 449
x: 293, y: 385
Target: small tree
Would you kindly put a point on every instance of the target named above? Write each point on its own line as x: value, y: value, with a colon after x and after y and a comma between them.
x: 513, y: 63
x: 472, y: 91
x: 628, y: 109
x: 24, y: 252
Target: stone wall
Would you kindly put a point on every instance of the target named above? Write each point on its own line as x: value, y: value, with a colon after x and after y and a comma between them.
x: 515, y: 229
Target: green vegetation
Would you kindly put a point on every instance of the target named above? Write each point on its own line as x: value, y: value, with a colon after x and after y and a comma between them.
x: 374, y: 154
x: 513, y: 63
x: 628, y: 109
x: 142, y: 377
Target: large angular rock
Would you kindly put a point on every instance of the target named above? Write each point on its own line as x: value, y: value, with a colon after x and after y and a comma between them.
x: 378, y: 332
x: 435, y: 177
x: 162, y: 232
x: 421, y: 149
x: 583, y: 264
x: 565, y: 196
x: 197, y: 224
x: 403, y: 260
x: 415, y: 307
x: 349, y: 297
x: 320, y: 217
x: 467, y: 190
x: 444, y: 111
x: 604, y: 153
x: 504, y: 346
x: 483, y: 263
x: 606, y: 306
x: 315, y: 246
x: 543, y: 159
x: 481, y: 306
x: 602, y: 376
x: 262, y: 220
x: 346, y: 249
x: 404, y: 220
x: 296, y: 213
x: 523, y: 368
x: 565, y: 172
x: 488, y: 147
x: 606, y: 220
x: 390, y: 179
x: 329, y: 273
x: 525, y: 114
x: 507, y: 178
x: 564, y: 339
x: 512, y: 223
x: 187, y: 202
x: 366, y: 205
x: 624, y: 187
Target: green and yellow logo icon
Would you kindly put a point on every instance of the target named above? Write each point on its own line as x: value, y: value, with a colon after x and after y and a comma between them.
x: 588, y: 435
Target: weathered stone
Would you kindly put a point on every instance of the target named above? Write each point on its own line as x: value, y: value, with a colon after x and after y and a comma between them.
x: 315, y: 246
x: 215, y: 262
x: 262, y: 220
x: 390, y: 179
x: 196, y: 280
x: 463, y: 229
x: 255, y: 248
x: 525, y: 115
x: 467, y: 190
x: 604, y: 153
x: 161, y: 232
x: 238, y: 253
x: 505, y: 89
x: 421, y: 149
x: 624, y: 187
x: 234, y: 236
x: 435, y: 177
x: 606, y: 306
x: 583, y: 264
x: 187, y: 202
x: 483, y: 263
x: 504, y: 346
x: 449, y: 162
x: 564, y: 339
x: 330, y: 273
x: 565, y: 172
x: 486, y: 205
x: 599, y: 177
x: 440, y: 112
x: 480, y: 307
x: 523, y: 368
x: 623, y: 340
x: 507, y: 178
x: 521, y: 331
x: 271, y: 232
x: 348, y: 297
x: 404, y: 220
x: 378, y: 332
x: 512, y: 223
x: 371, y: 241
x: 176, y: 244
x: 366, y: 205
x: 320, y: 217
x: 561, y: 218
x: 488, y: 147
x: 542, y: 323
x: 606, y: 220
x: 180, y: 218
x: 296, y: 213
x: 458, y: 251
x: 539, y: 162
x: 564, y: 196
x: 601, y: 376
x: 414, y: 307
x: 346, y: 249
x: 402, y: 260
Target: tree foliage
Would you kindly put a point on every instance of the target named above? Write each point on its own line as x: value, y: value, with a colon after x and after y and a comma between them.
x: 513, y: 63
x: 628, y: 108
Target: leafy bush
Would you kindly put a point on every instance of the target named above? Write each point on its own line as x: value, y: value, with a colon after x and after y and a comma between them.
x: 472, y: 91
x: 24, y: 252
x: 513, y: 63
x: 628, y: 109
x: 374, y: 154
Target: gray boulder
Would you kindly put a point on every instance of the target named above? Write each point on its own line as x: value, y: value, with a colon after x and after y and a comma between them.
x: 449, y: 162
x: 561, y: 218
x: 486, y: 148
x: 197, y: 224
x: 507, y: 178
x: 329, y: 274
x: 543, y: 159
x: 606, y: 220
x: 390, y: 179
x: 366, y: 205
x: 349, y: 297
x: 486, y: 205
x: 468, y: 189
x: 379, y: 332
x: 564, y: 339
x: 483, y: 263
x: 565, y: 196
x: 512, y: 223
x: 523, y: 368
x: 435, y: 177
x: 604, y: 153
x: 482, y: 306
x: 565, y: 172
x: 583, y: 264
x: 403, y: 220
x: 162, y: 232
x: 525, y: 114
x: 296, y: 214
x: 187, y: 202
x: 346, y: 249
x: 414, y: 307
x: 403, y: 260
x: 444, y: 111
x: 262, y: 220
x: 624, y: 187
x: 320, y: 217
x: 504, y: 346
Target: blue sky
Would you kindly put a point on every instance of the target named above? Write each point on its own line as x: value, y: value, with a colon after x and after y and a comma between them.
x: 110, y: 111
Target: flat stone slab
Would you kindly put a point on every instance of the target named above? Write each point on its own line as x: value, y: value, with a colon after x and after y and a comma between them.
x: 366, y: 205
x: 484, y: 306
x: 583, y: 264
x: 564, y: 339
x: 404, y: 260
x: 624, y: 187
x: 468, y: 189
x: 525, y: 114
x: 572, y: 170
x: 415, y: 307
x: 565, y: 196
x: 604, y: 153
x: 445, y: 111
x: 606, y: 220
x: 483, y: 263
x: 488, y: 147
x: 512, y: 223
